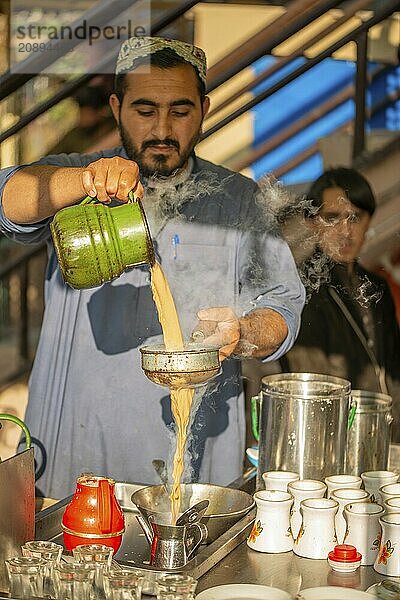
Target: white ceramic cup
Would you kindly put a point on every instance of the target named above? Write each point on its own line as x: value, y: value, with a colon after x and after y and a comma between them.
x: 271, y: 530
x: 345, y: 496
x: 374, y: 480
x: 392, y: 505
x: 390, y: 490
x: 336, y: 482
x: 278, y: 480
x: 363, y: 529
x: 317, y: 532
x: 302, y: 489
x: 388, y: 560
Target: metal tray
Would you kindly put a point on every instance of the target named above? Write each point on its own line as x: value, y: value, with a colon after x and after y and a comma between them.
x: 134, y: 551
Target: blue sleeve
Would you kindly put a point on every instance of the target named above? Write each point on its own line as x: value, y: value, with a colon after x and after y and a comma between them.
x: 24, y: 233
x: 272, y: 281
x: 37, y: 232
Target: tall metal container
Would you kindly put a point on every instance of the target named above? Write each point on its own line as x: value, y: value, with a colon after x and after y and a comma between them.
x: 303, y: 424
x: 368, y: 438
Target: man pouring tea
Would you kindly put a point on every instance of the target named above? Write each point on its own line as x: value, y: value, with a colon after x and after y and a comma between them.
x: 91, y: 408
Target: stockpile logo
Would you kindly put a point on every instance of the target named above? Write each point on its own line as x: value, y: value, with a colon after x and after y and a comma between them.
x: 58, y: 38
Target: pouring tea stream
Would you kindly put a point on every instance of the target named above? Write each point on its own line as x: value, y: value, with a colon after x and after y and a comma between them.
x: 95, y: 243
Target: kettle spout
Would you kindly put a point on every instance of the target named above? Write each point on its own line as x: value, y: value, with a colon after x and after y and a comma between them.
x: 147, y: 530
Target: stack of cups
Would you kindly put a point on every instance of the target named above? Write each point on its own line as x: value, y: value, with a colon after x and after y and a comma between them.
x: 51, y: 553
x: 336, y: 482
x: 344, y: 496
x: 374, y: 480
x: 389, y: 490
x: 90, y: 575
x: 123, y: 584
x: 99, y: 557
x: 74, y: 581
x: 303, y: 489
x: 26, y: 576
x: 176, y: 587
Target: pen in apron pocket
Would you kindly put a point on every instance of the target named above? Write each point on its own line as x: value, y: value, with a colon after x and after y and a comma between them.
x: 175, y: 241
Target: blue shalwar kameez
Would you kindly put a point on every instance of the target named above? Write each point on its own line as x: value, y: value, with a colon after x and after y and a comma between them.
x: 91, y: 408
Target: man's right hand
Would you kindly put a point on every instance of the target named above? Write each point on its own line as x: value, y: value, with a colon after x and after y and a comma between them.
x: 37, y: 192
x: 109, y: 178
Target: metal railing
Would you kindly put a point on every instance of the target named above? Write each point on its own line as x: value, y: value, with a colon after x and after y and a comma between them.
x: 299, y: 13
x: 360, y: 33
x: 20, y: 268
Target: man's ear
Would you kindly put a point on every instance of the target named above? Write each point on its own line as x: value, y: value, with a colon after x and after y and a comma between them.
x: 115, y: 106
x: 206, y: 106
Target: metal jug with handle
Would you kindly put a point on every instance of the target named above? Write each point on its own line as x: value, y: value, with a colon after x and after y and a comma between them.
x: 95, y: 243
x: 369, y: 433
x: 172, y: 545
x: 302, y: 425
x: 93, y: 516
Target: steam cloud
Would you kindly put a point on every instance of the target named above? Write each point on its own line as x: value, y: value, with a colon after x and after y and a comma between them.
x: 279, y: 211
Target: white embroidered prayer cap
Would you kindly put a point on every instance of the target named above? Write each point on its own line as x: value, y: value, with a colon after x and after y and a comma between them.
x: 139, y: 47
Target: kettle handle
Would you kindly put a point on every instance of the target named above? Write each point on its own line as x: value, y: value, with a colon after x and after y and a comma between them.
x: 196, y: 533
x: 17, y: 421
x: 104, y: 502
x: 255, y: 403
x: 90, y: 199
x: 352, y: 414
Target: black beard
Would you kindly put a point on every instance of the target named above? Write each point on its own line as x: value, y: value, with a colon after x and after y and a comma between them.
x: 160, y: 168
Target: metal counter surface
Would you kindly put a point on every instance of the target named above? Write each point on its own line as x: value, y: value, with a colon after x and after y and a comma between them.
x: 244, y: 565
x: 285, y: 571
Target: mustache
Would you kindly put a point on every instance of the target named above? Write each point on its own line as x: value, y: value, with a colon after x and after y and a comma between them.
x: 157, y: 142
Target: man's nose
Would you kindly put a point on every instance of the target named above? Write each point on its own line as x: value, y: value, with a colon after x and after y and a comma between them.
x: 162, y: 127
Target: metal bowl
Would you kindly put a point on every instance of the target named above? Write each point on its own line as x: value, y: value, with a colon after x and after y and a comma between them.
x: 195, y: 365
x: 227, y: 505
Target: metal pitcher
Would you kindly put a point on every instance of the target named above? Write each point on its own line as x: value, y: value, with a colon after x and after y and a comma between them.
x: 95, y: 243
x: 302, y: 425
x: 172, y: 545
x: 369, y: 434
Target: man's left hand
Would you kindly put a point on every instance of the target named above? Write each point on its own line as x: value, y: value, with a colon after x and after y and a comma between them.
x: 221, y: 327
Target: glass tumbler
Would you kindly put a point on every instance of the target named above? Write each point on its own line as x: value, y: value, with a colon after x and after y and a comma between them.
x: 25, y: 575
x: 73, y: 581
x: 123, y: 584
x: 100, y: 557
x: 176, y: 587
x: 51, y: 553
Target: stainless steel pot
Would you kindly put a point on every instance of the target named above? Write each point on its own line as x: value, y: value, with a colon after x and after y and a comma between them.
x: 227, y: 505
x: 303, y: 424
x: 368, y: 437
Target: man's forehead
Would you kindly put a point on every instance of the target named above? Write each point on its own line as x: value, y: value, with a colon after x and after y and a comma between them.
x: 169, y: 81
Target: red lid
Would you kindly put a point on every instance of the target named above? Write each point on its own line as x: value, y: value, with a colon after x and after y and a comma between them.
x: 344, y: 553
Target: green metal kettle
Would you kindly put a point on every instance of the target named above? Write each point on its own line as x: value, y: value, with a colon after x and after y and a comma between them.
x: 95, y: 243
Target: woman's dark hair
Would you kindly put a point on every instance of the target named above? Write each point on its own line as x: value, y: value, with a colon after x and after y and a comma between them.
x: 356, y: 187
x: 163, y: 59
